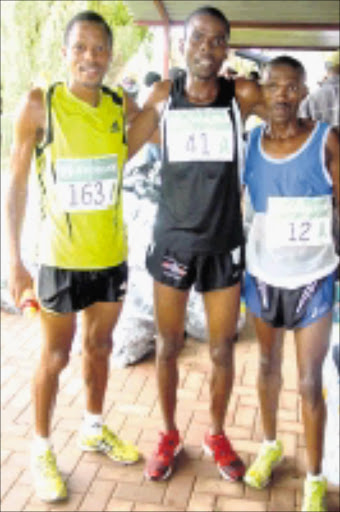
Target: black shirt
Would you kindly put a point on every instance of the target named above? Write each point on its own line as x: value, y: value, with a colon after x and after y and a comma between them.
x: 199, y: 208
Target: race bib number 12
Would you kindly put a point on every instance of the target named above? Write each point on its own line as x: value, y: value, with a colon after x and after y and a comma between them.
x: 199, y: 135
x: 85, y: 184
x: 298, y: 221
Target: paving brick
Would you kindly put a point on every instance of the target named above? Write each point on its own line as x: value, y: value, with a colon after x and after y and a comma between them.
x: 9, y: 475
x: 219, y: 486
x: 16, y: 498
x: 256, y: 494
x: 152, y: 493
x: 234, y: 505
x: 82, y: 477
x: 281, y: 500
x: 178, y: 491
x: 119, y: 505
x: 98, y: 496
x: 200, y: 501
x: 71, y: 505
x: 151, y: 507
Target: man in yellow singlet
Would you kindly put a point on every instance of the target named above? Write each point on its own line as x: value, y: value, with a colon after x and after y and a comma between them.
x: 77, y: 132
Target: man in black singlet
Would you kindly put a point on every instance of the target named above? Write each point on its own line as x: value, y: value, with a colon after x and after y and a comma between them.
x: 198, y: 235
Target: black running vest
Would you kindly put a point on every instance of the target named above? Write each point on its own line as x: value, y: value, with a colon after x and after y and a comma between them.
x: 199, y: 207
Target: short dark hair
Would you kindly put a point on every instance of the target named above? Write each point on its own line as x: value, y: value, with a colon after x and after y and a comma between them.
x: 151, y: 77
x: 209, y: 11
x: 92, y: 17
x: 286, y: 60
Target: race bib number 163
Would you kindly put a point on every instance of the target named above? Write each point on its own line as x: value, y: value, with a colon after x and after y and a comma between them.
x: 85, y: 184
x: 200, y: 135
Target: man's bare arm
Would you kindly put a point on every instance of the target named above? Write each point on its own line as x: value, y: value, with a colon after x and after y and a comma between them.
x: 144, y: 124
x: 249, y: 97
x: 28, y: 128
x: 332, y: 161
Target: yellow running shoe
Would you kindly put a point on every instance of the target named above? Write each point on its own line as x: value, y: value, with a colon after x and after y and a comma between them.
x: 314, y: 499
x: 48, y: 481
x: 110, y: 444
x: 259, y: 473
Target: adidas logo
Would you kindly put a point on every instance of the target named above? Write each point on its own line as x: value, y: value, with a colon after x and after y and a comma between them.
x: 114, y: 127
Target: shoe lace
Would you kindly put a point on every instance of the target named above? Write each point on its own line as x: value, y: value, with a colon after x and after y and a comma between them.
x: 166, y: 444
x: 49, y: 465
x: 263, y: 462
x: 223, y: 450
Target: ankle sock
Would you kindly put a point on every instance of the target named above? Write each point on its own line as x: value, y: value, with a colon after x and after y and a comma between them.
x: 40, y: 444
x: 270, y: 444
x: 315, y: 478
x: 92, y: 424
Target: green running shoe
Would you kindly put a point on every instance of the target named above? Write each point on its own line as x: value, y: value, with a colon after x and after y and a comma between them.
x: 259, y: 473
x: 314, y: 499
x: 110, y: 444
x: 48, y: 481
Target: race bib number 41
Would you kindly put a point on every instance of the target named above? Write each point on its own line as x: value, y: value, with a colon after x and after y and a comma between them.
x: 298, y: 221
x: 86, y: 183
x: 200, y: 135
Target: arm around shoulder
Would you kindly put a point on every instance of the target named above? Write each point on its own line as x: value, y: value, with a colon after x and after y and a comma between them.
x: 249, y: 97
x: 144, y: 124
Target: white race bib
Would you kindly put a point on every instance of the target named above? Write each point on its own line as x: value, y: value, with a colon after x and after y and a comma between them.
x: 200, y: 135
x: 85, y: 184
x: 298, y: 221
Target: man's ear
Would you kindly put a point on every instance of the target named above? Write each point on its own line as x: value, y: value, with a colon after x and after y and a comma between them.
x: 305, y: 92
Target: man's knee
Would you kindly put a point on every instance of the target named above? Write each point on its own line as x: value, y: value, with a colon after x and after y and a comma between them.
x: 310, y: 387
x: 98, y: 346
x: 222, y: 353
x: 269, y: 367
x: 169, y: 345
x: 54, y: 361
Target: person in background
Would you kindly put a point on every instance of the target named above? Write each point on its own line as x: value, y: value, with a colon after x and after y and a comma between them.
x: 291, y: 173
x: 323, y: 104
x: 76, y: 131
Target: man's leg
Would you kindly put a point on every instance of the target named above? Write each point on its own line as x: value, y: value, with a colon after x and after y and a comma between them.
x: 170, y: 308
x: 269, y: 380
x: 99, y: 321
x: 269, y: 384
x: 311, y: 346
x: 57, y: 331
x: 222, y: 309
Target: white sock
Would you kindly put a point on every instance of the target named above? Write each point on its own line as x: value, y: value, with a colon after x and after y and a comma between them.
x: 92, y: 424
x: 41, y: 444
x: 315, y: 478
x: 270, y: 444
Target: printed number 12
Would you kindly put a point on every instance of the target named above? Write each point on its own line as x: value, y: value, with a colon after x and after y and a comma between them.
x: 301, y: 234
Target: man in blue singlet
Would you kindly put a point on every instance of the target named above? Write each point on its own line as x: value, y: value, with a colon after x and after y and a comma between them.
x: 291, y: 172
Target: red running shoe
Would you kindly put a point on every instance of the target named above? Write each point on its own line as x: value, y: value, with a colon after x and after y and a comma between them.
x: 160, y: 464
x: 228, y: 462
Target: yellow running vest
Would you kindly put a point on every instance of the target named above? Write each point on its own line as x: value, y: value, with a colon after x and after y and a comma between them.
x: 79, y: 170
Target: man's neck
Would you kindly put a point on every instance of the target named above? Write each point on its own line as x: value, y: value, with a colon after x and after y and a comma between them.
x: 90, y: 95
x: 284, y: 130
x: 201, y: 91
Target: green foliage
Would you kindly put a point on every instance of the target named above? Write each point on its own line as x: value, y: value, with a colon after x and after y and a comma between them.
x: 32, y: 37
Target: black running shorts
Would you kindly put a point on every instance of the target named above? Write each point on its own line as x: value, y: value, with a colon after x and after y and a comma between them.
x: 183, y: 269
x: 65, y: 291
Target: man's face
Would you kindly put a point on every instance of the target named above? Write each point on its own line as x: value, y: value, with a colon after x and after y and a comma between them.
x: 87, y: 53
x: 283, y: 90
x: 205, y: 46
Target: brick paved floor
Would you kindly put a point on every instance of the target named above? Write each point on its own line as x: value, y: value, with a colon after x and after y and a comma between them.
x: 97, y: 484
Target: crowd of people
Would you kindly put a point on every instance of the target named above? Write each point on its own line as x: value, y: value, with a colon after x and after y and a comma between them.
x: 82, y: 133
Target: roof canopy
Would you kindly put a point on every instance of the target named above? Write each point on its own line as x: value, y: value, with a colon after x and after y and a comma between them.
x: 291, y: 24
